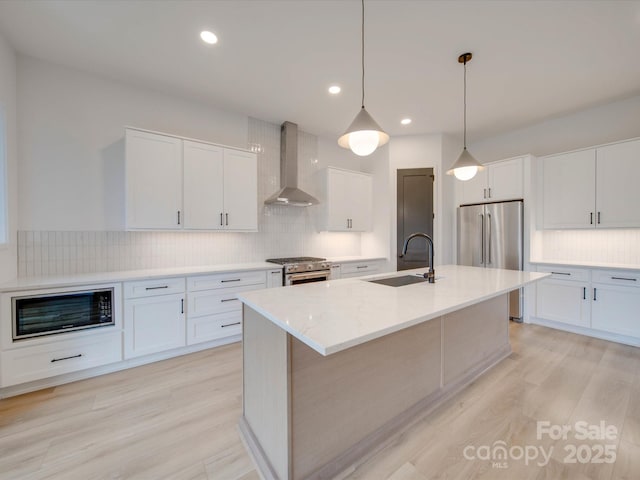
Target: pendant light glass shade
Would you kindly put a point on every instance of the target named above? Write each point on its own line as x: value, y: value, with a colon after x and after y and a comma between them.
x: 466, y: 167
x: 364, y: 134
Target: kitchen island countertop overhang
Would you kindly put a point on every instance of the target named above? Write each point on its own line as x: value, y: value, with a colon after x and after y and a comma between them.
x: 336, y: 315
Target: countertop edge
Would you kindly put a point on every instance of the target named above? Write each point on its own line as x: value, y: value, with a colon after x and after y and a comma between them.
x: 71, y: 280
x: 596, y: 265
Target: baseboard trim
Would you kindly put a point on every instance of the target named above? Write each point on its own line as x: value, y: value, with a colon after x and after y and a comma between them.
x: 611, y: 337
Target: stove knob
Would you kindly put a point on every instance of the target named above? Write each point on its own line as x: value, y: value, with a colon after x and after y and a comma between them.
x: 288, y: 269
x: 309, y: 267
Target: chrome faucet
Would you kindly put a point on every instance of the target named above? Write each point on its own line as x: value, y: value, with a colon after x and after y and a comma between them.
x: 431, y: 274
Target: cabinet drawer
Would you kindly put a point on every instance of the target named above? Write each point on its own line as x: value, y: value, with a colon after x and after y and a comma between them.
x: 152, y: 288
x: 565, y: 273
x: 206, y: 302
x: 213, y: 327
x: 362, y: 268
x: 30, y: 363
x: 226, y: 280
x: 616, y: 277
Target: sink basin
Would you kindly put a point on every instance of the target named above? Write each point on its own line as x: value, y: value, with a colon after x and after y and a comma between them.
x: 399, y: 281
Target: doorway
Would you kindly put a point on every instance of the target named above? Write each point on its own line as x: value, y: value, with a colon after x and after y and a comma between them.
x: 415, y: 214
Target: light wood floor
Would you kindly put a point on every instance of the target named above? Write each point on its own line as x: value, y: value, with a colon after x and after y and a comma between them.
x: 177, y: 419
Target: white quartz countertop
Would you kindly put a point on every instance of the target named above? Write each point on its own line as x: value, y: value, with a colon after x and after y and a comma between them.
x: 339, y: 314
x: 613, y: 266
x: 352, y: 259
x: 26, y: 283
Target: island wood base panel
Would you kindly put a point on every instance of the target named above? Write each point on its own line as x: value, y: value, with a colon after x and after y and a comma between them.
x: 308, y: 416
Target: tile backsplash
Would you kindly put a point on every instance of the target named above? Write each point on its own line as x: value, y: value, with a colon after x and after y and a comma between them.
x: 283, y: 231
x: 621, y: 246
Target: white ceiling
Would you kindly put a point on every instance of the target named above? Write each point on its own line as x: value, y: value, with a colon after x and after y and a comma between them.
x: 275, y: 58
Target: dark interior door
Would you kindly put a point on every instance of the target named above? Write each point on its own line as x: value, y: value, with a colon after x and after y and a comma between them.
x: 415, y: 214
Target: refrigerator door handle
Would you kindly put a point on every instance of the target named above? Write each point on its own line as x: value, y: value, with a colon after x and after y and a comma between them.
x: 489, y: 237
x: 481, y: 239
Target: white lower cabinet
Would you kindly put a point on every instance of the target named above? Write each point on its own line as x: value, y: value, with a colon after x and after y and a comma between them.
x: 600, y: 301
x: 67, y: 355
x: 153, y: 321
x: 355, y: 269
x: 214, y: 311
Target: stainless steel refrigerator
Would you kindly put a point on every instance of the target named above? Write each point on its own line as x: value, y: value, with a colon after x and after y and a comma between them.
x: 490, y: 235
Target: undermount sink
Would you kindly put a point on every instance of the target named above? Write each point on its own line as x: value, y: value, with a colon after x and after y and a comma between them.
x: 399, y: 281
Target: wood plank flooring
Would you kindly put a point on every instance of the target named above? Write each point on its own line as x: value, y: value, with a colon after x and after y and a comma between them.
x: 177, y: 419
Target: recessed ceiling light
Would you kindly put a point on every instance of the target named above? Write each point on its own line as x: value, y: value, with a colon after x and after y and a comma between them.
x: 334, y: 89
x: 208, y: 37
x: 405, y: 121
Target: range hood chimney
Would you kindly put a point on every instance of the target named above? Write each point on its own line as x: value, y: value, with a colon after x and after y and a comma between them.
x: 289, y: 193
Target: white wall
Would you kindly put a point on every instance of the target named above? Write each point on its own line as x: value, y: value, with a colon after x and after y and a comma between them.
x: 606, y: 123
x: 8, y: 253
x: 71, y: 130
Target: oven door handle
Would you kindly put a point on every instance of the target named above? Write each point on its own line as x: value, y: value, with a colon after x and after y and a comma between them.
x: 308, y: 276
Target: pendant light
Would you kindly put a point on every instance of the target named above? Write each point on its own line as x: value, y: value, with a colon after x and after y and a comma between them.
x: 364, y: 135
x: 466, y: 167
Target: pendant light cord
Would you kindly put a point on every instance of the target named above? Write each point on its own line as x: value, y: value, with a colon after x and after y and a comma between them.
x: 465, y: 105
x: 362, y: 39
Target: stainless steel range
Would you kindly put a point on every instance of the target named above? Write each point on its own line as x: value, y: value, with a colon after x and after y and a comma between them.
x: 299, y: 270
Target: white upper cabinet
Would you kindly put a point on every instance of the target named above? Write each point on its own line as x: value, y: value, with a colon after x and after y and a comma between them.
x: 203, y: 186
x: 568, y: 192
x: 593, y: 188
x: 617, y: 190
x: 182, y: 184
x: 153, y: 181
x: 497, y: 182
x: 240, y: 190
x: 349, y: 197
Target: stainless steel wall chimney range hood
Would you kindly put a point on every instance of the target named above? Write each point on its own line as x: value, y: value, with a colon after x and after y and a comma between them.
x: 289, y: 193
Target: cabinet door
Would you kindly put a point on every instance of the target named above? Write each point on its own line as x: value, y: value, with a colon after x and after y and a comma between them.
x: 153, y: 181
x: 505, y: 180
x: 617, y: 189
x: 203, y: 184
x: 563, y: 301
x: 569, y: 187
x: 240, y: 190
x: 475, y: 190
x: 274, y: 278
x: 615, y: 309
x: 338, y: 204
x: 361, y: 199
x: 153, y: 324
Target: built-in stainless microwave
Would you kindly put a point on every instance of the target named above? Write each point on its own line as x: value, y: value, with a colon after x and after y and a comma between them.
x: 53, y: 313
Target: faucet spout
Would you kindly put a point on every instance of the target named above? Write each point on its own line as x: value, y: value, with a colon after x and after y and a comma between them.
x: 431, y: 274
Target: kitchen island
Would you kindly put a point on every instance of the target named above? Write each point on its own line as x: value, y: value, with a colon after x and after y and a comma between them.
x: 332, y: 370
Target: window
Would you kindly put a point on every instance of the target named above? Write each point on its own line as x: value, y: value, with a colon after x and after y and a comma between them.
x: 4, y: 195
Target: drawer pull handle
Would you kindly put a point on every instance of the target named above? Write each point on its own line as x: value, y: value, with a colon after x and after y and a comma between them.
x: 584, y: 293
x: 231, y: 324
x: 623, y: 278
x: 228, y: 299
x: 157, y: 288
x: 363, y: 266
x: 595, y: 296
x: 561, y: 273
x: 65, y: 358
x: 233, y: 280
x: 182, y: 305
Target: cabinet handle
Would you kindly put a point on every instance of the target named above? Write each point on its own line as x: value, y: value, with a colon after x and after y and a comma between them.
x: 489, y: 192
x: 595, y: 297
x: 228, y: 299
x: 226, y: 216
x: 231, y: 324
x: 598, y: 218
x: 178, y: 217
x: 484, y: 193
x: 221, y: 222
x: 157, y: 288
x: 584, y: 293
x: 182, y: 305
x: 232, y: 280
x: 347, y: 223
x: 623, y: 278
x: 53, y: 360
x: 363, y: 266
x: 591, y: 220
x: 561, y: 273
